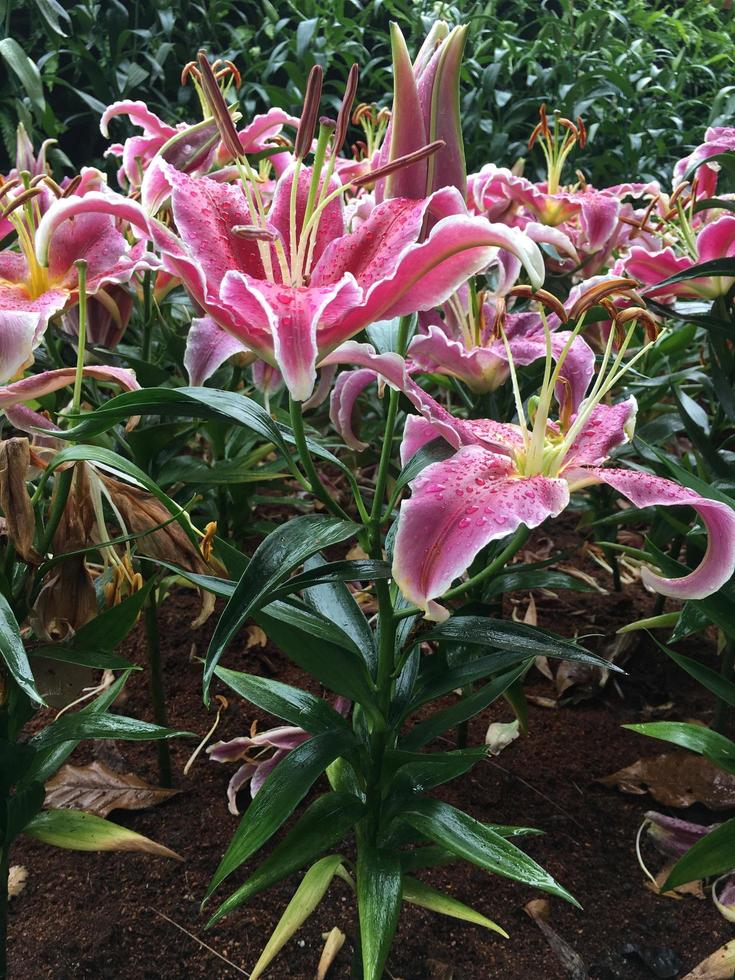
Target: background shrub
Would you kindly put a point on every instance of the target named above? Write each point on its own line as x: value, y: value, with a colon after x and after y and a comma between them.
x: 646, y: 77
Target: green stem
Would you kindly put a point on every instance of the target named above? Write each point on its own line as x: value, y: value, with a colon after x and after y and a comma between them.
x: 81, y: 265
x: 316, y: 485
x: 516, y: 543
x: 158, y: 694
x: 726, y: 669
x: 147, y: 316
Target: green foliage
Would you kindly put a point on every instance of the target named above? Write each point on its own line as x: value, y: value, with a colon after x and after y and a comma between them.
x: 645, y: 78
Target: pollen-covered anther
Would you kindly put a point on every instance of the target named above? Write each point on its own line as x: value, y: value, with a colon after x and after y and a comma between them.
x: 21, y: 199
x: 8, y: 186
x: 343, y: 117
x: 72, y: 186
x: 542, y: 296
x: 594, y: 296
x: 641, y: 315
x: 254, y: 233
x: 190, y: 70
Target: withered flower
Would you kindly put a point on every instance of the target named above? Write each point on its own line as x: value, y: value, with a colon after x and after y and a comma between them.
x: 20, y: 521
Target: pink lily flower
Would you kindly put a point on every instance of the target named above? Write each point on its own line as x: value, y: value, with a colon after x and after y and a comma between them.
x: 259, y: 761
x: 717, y: 139
x: 471, y: 347
x: 425, y: 108
x: 254, y: 750
x: 716, y: 240
x: 193, y: 148
x: 32, y: 292
x: 504, y: 475
x: 292, y: 305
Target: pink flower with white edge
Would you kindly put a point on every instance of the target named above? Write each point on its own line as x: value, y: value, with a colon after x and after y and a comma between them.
x: 261, y: 753
x: 716, y: 240
x: 31, y: 292
x: 191, y: 147
x: 293, y: 287
x: 476, y: 339
x: 717, y: 139
x: 504, y: 475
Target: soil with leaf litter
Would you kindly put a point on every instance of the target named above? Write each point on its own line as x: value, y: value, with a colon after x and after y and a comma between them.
x: 87, y: 916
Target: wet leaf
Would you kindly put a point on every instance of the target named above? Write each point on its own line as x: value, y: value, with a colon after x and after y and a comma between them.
x: 97, y: 789
x: 676, y: 779
x: 74, y: 830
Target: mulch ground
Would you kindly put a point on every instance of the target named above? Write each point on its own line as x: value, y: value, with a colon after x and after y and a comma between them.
x: 95, y: 916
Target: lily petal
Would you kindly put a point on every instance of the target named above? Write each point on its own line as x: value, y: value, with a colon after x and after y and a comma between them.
x: 18, y: 332
x: 456, y: 508
x: 718, y: 564
x: 208, y: 346
x: 608, y: 426
x: 37, y: 385
x: 347, y: 389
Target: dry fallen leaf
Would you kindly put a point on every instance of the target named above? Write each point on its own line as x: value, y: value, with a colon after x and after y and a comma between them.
x: 97, y: 789
x: 356, y: 553
x: 719, y: 966
x: 17, y: 877
x: 334, y: 941
x: 578, y: 682
x: 676, y: 779
x: 255, y: 637
x: 500, y: 734
x: 572, y: 963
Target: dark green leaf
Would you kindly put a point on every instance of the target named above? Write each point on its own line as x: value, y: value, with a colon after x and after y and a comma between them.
x: 14, y: 654
x: 706, y: 742
x: 475, y: 842
x: 323, y: 824
x: 378, y: 906
x: 714, y: 854
x: 279, y: 796
x: 275, y: 558
x: 79, y: 726
x: 291, y: 704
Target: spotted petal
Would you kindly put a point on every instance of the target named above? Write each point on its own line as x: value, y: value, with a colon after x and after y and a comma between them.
x: 208, y: 346
x: 718, y: 564
x: 456, y: 508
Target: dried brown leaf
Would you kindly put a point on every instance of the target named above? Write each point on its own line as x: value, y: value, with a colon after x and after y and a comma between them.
x: 97, y: 789
x: 20, y: 521
x: 570, y: 960
x: 719, y: 966
x: 676, y: 779
x: 255, y: 637
x: 334, y: 941
x: 17, y: 878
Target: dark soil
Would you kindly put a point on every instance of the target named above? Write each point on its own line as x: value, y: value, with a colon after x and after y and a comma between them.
x: 89, y: 916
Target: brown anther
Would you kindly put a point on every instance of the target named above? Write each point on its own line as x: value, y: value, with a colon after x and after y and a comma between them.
x: 499, y: 318
x: 542, y: 127
x: 279, y: 140
x: 219, y: 107
x: 643, y: 224
x: 384, y: 116
x: 72, y: 186
x: 594, y: 296
x: 678, y: 191
x: 399, y: 163
x: 566, y: 404
x: 8, y: 186
x: 309, y: 114
x: 343, y: 116
x: 582, y: 133
x: 53, y: 186
x: 229, y: 69
x: 190, y: 70
x: 643, y: 316
x: 359, y: 150
x: 363, y: 111
x: 581, y: 179
x: 20, y: 200
x: 254, y: 729
x: 544, y: 297
x: 254, y: 233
